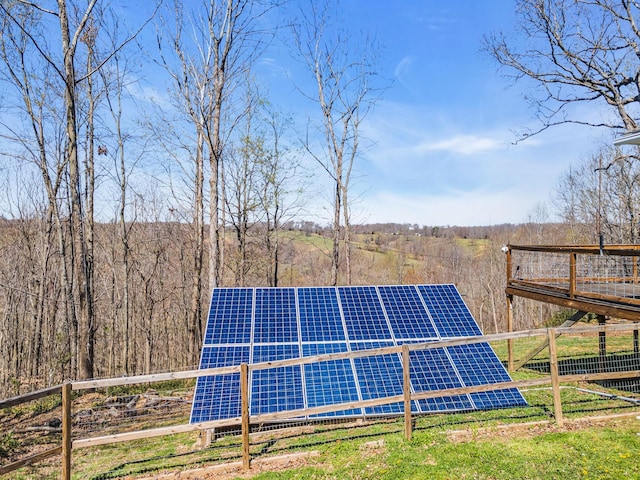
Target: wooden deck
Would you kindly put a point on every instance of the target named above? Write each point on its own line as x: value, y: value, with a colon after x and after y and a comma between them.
x: 582, y: 277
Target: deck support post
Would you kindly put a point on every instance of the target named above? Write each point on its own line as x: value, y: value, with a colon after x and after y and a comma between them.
x: 602, y: 343
x: 572, y: 274
x: 636, y: 346
x: 509, y: 330
x: 509, y: 313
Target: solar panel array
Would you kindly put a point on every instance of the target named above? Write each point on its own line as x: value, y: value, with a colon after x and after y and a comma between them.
x: 253, y: 325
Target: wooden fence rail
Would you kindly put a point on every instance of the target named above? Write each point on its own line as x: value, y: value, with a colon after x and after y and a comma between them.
x: 245, y: 420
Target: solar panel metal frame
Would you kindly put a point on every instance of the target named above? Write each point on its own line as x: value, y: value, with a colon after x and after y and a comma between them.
x: 276, y: 323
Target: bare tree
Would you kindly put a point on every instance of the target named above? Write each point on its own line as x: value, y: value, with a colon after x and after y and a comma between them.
x: 575, y: 51
x: 241, y: 177
x: 62, y: 65
x: 116, y: 79
x: 48, y: 81
x: 225, y: 38
x: 342, y: 75
x: 601, y: 196
x: 281, y: 191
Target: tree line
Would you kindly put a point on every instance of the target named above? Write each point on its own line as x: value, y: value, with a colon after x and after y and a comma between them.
x: 70, y: 76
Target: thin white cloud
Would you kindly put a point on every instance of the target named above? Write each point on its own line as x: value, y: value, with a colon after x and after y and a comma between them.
x: 274, y: 66
x: 463, y: 145
x: 403, y: 65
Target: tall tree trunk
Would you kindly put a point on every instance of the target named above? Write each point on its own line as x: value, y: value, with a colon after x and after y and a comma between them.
x: 347, y: 235
x: 335, y: 252
x: 195, y: 322
x: 81, y: 259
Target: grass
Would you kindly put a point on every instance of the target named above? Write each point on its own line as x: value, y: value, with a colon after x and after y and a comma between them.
x: 592, y: 453
x: 568, y: 346
x: 379, y: 451
x: 609, y: 452
x: 486, y: 450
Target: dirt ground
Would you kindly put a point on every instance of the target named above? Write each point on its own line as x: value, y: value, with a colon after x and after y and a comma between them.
x: 234, y: 470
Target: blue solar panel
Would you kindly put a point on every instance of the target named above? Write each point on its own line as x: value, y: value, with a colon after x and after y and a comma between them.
x: 379, y: 376
x: 450, y: 315
x: 276, y: 389
x: 477, y: 365
x: 255, y: 325
x: 216, y: 397
x: 224, y: 356
x: 225, y: 389
x: 363, y: 314
x: 407, y: 315
x: 330, y: 382
x: 320, y: 318
x: 275, y: 315
x: 432, y: 370
x: 229, y: 316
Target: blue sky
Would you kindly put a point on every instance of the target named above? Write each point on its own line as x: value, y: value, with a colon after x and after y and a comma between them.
x: 442, y: 136
x: 441, y: 139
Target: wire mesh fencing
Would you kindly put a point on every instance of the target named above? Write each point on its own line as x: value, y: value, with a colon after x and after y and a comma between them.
x: 596, y: 373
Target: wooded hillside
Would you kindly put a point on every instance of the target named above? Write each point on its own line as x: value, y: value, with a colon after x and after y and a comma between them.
x: 157, y: 334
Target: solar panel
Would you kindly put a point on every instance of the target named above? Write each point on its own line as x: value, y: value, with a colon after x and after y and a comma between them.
x: 254, y: 325
x: 320, y: 318
x: 229, y: 316
x: 432, y: 370
x: 379, y: 376
x: 330, y: 382
x: 224, y: 388
x: 475, y: 366
x: 275, y: 315
x: 450, y: 315
x: 407, y: 314
x: 363, y: 314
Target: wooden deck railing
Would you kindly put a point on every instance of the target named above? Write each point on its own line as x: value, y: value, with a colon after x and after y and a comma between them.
x: 583, y: 277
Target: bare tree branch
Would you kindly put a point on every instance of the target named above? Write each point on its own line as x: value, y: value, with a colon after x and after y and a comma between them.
x: 576, y: 51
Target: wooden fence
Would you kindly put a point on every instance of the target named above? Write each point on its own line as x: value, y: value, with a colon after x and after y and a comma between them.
x: 553, y: 379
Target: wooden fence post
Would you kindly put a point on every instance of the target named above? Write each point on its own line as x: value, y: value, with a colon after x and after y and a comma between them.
x: 66, y: 431
x: 509, y: 313
x: 510, y: 330
x: 406, y: 375
x: 555, y: 383
x: 244, y: 405
x: 572, y: 274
